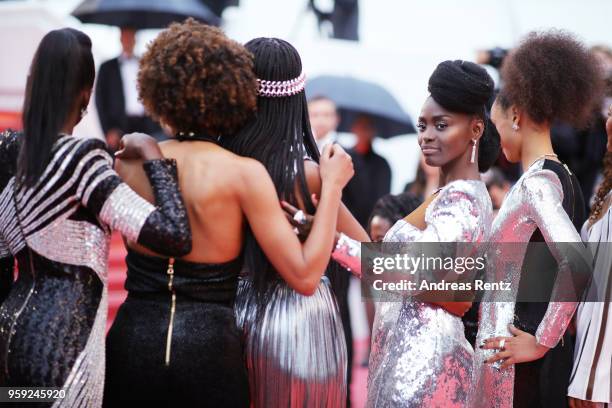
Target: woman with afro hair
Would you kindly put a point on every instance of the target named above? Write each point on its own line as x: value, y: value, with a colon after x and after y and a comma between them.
x: 525, y: 353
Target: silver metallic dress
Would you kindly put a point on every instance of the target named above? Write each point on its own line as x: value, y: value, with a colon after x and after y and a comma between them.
x: 534, y: 202
x: 420, y: 356
x: 53, y: 317
x: 295, y: 348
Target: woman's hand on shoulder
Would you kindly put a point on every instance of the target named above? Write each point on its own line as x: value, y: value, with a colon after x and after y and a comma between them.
x: 138, y: 146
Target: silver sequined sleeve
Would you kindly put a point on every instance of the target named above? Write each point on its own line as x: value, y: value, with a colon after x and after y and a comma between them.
x: 164, y: 228
x: 126, y: 211
x: 452, y: 217
x: 545, y: 195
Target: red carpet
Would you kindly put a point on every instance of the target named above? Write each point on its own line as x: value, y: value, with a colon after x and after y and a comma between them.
x: 360, y: 374
x: 116, y: 276
x: 117, y: 294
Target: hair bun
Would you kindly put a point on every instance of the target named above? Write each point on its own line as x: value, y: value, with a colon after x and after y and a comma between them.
x: 461, y: 86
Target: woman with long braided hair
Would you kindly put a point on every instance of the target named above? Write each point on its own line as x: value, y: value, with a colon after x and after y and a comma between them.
x: 590, y: 382
x: 295, y: 344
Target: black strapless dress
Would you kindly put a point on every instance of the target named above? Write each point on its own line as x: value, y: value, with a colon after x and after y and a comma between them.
x: 185, y: 352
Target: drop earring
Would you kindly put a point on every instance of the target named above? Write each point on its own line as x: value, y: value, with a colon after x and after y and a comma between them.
x: 515, y: 127
x: 473, y: 157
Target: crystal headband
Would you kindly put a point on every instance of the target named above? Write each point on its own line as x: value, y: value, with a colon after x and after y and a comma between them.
x: 277, y: 89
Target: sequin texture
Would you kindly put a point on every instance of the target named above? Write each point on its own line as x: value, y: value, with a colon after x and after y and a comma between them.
x: 535, y: 201
x: 53, y: 317
x: 119, y: 215
x: 420, y: 356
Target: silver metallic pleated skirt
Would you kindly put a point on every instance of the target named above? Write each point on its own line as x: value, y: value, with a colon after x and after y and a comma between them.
x: 295, y: 351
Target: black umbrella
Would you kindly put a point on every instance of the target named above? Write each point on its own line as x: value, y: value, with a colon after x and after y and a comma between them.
x: 142, y: 14
x: 217, y: 6
x: 355, y: 96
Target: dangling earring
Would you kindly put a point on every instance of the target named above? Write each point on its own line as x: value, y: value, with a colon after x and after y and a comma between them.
x: 515, y: 127
x: 83, y: 112
x: 473, y: 151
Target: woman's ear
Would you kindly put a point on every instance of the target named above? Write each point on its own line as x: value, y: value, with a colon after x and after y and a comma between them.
x: 516, y: 116
x: 477, y: 128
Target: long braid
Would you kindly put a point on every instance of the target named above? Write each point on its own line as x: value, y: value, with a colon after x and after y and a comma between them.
x: 603, y: 190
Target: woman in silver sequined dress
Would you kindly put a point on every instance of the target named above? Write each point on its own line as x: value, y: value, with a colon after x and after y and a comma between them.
x: 420, y: 356
x: 59, y: 200
x: 549, y: 77
x: 295, y: 346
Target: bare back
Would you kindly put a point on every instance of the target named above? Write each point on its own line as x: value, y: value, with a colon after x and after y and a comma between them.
x: 222, y: 190
x: 209, y: 177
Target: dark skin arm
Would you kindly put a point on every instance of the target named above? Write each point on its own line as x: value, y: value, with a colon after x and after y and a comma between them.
x: 578, y: 403
x: 274, y: 234
x: 416, y: 218
x: 301, y: 266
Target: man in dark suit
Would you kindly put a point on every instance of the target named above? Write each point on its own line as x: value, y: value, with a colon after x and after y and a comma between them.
x: 117, y: 102
x: 372, y: 178
x: 371, y: 181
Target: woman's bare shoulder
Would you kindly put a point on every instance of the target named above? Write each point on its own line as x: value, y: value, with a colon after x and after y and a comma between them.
x: 232, y: 170
x: 313, y: 176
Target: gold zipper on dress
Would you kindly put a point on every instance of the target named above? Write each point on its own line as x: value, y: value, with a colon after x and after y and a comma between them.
x: 170, y: 273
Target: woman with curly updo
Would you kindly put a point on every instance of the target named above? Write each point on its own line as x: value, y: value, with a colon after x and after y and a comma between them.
x: 525, y: 354
x: 175, y: 341
x: 420, y: 356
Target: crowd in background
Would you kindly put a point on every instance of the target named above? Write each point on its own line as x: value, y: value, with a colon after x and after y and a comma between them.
x: 285, y: 279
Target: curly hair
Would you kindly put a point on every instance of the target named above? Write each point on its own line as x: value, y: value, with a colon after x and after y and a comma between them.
x: 195, y: 79
x: 552, y: 76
